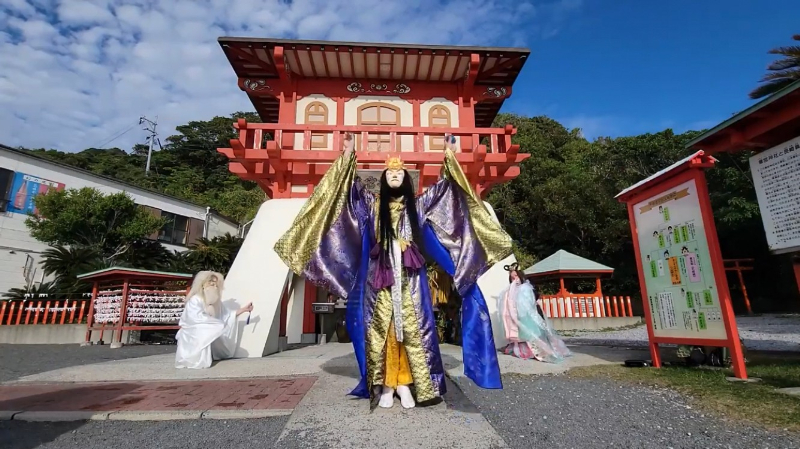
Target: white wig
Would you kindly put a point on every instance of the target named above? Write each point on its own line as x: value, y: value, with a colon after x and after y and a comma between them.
x: 200, y: 280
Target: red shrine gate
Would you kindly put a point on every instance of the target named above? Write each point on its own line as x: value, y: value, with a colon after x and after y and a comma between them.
x: 398, y: 100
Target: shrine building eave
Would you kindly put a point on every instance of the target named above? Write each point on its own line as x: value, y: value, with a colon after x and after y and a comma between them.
x: 764, y: 125
x: 493, y: 69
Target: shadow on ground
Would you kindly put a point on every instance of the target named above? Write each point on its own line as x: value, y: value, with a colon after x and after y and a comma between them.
x: 454, y: 398
x: 35, y: 359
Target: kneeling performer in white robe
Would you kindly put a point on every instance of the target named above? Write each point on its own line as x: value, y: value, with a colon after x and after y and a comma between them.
x: 208, y: 328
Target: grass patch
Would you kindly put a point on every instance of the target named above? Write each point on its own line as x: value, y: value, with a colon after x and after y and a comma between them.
x: 708, y: 389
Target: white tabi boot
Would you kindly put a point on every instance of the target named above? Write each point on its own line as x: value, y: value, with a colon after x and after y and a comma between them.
x: 406, y: 398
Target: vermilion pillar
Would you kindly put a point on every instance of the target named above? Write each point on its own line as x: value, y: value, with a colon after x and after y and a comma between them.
x: 309, y: 318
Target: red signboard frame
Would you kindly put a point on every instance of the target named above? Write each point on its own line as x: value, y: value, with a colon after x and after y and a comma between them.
x: 690, y: 170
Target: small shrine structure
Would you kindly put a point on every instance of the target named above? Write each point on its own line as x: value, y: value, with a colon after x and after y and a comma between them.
x: 398, y: 100
x: 563, y: 265
x: 128, y: 299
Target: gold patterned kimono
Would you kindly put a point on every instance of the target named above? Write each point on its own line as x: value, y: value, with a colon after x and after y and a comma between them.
x: 331, y: 243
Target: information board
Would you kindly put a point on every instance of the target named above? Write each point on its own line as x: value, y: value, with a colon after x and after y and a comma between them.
x: 681, y: 288
x: 776, y: 177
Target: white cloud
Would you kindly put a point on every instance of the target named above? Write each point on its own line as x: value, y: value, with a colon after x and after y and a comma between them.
x: 74, y: 73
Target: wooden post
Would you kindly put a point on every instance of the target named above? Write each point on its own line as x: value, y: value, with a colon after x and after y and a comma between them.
x: 123, y: 311
x: 11, y: 313
x: 90, y: 317
x: 19, y: 313
x: 744, y: 289
x: 738, y: 269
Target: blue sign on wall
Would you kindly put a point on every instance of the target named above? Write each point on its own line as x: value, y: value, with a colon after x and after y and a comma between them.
x: 25, y: 188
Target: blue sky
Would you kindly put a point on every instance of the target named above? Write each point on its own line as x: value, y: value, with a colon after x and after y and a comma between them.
x: 78, y: 74
x: 627, y: 67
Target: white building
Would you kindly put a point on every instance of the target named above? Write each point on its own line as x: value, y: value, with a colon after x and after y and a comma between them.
x: 23, y: 176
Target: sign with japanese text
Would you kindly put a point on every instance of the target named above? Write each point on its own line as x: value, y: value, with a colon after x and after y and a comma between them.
x: 679, y: 278
x: 776, y: 177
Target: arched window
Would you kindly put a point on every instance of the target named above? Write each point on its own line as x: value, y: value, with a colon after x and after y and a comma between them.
x: 317, y: 114
x: 438, y: 117
x: 379, y: 114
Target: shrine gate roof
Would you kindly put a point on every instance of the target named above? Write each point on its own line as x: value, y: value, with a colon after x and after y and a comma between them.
x: 306, y: 59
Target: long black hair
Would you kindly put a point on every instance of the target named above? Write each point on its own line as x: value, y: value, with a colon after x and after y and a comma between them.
x: 407, y: 192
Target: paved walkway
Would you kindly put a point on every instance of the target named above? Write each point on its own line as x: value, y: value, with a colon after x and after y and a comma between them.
x: 309, y: 384
x: 145, y: 402
x: 154, y: 400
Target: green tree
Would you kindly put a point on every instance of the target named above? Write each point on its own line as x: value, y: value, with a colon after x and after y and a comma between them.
x: 216, y: 254
x: 45, y: 288
x: 66, y: 263
x: 782, y: 72
x: 86, y: 218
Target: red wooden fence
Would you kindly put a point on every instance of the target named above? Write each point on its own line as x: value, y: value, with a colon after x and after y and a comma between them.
x: 586, y: 306
x: 21, y: 312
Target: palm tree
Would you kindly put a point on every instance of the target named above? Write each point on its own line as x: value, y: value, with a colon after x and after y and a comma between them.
x: 214, y: 254
x: 45, y: 288
x: 782, y: 72
x: 66, y: 263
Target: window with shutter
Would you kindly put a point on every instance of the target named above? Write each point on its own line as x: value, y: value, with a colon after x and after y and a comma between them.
x: 156, y: 213
x: 317, y: 113
x: 378, y: 114
x: 438, y: 117
x: 196, y: 228
x: 176, y: 230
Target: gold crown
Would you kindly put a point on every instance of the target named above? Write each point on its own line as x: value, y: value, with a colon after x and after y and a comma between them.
x: 394, y: 163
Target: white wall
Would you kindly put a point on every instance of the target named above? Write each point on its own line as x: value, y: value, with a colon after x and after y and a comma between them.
x: 218, y: 227
x: 259, y: 276
x: 16, y: 242
x: 294, y: 320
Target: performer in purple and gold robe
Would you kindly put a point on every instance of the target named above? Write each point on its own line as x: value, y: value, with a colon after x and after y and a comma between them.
x: 374, y: 251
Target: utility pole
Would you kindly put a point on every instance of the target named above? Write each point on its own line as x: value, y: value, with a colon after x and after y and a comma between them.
x: 151, y: 128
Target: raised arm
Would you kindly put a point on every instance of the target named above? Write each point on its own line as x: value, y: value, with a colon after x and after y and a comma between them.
x: 462, y: 222
x: 326, y: 234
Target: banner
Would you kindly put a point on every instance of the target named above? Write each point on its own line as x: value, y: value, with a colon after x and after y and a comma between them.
x: 25, y: 188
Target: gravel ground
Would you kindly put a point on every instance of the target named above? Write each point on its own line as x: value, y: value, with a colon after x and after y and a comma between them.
x: 760, y: 333
x: 205, y: 434
x: 561, y: 412
x: 23, y: 360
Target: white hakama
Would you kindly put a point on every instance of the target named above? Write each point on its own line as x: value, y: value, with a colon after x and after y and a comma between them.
x: 202, y: 337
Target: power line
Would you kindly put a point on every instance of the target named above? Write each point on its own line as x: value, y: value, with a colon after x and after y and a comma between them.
x: 114, y: 137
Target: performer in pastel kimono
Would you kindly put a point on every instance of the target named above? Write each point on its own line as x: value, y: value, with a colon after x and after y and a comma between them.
x: 208, y: 328
x: 374, y: 251
x: 526, y: 329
